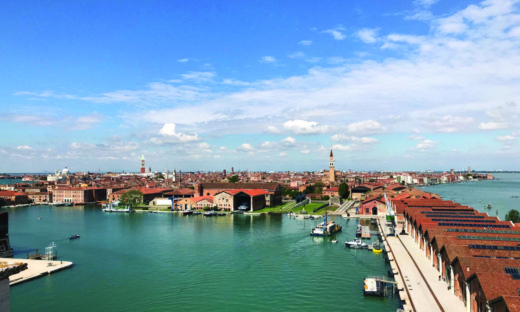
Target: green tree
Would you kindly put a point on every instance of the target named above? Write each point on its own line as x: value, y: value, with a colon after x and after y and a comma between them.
x: 343, y: 190
x: 131, y: 198
x: 309, y: 189
x: 233, y: 179
x: 294, y: 193
x: 513, y: 215
x: 159, y: 176
x: 318, y: 187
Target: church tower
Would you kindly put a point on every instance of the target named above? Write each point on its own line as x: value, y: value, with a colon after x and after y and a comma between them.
x: 332, y: 170
x: 143, y: 169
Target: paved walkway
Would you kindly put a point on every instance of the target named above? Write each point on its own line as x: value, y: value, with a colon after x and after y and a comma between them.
x: 448, y: 300
x: 421, y: 280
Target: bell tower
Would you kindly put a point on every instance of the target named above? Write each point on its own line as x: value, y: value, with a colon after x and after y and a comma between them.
x: 332, y: 170
x: 143, y: 169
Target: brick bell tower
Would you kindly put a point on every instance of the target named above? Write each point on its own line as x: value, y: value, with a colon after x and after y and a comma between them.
x: 332, y: 170
x: 143, y: 169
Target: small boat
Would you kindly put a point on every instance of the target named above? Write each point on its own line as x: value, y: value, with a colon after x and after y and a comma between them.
x: 489, y: 206
x: 334, y: 241
x: 196, y: 212
x: 237, y: 212
x: 359, y: 230
x: 356, y: 243
x: 376, y: 248
x: 210, y: 213
x: 326, y: 228
x: 221, y: 214
x: 75, y: 236
x: 39, y: 218
x: 187, y: 212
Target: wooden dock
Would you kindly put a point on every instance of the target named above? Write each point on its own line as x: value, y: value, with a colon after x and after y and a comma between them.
x: 365, y: 232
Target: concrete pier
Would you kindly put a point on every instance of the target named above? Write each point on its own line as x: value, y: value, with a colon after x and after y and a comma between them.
x: 35, y: 269
x: 417, y: 279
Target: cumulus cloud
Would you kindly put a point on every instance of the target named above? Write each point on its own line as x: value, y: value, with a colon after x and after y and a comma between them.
x: 246, y: 147
x: 272, y: 129
x: 367, y: 35
x: 340, y: 147
x: 426, y: 144
x: 170, y: 135
x: 304, y: 127
x: 24, y: 147
x: 336, y: 33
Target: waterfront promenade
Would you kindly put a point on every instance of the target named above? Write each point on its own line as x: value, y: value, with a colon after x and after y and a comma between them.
x: 423, y: 290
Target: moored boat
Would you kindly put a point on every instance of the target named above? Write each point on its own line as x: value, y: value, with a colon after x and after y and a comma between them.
x: 75, y: 236
x: 210, y: 213
x: 356, y: 243
x: 187, y: 212
x: 359, y: 230
x: 326, y: 228
x: 376, y: 248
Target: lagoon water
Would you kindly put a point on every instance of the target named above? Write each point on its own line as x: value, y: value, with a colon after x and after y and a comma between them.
x: 503, y: 193
x: 167, y: 262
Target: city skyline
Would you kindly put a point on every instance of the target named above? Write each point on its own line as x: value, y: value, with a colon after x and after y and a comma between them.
x: 270, y: 86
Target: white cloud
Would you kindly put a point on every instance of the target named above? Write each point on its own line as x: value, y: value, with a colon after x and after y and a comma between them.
x: 344, y: 138
x: 272, y: 129
x: 33, y: 120
x: 234, y: 82
x: 306, y: 151
x: 199, y: 76
x: 298, y: 54
x: 305, y: 42
x: 290, y: 140
x: 504, y: 138
x: 170, y: 135
x: 87, y: 121
x: 24, y: 147
x: 304, y: 127
x: 492, y: 125
x: 366, y: 127
x: 340, y: 147
x: 450, y: 124
x: 426, y: 145
x: 246, y: 147
x: 368, y: 35
x: 268, y: 59
x: 425, y: 3
x: 283, y: 154
x: 183, y: 60
x: 336, y: 33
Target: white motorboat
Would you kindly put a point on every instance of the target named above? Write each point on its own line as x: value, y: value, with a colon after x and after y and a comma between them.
x: 356, y: 243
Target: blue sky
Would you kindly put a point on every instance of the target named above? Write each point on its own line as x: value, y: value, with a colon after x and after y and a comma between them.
x: 259, y: 85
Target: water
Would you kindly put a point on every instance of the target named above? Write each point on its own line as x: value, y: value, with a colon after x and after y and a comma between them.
x: 500, y: 193
x: 159, y: 262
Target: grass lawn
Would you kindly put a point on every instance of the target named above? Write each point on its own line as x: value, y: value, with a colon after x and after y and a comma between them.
x: 276, y: 209
x: 310, y: 207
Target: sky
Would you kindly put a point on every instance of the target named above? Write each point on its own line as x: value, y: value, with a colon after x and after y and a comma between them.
x: 259, y: 85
